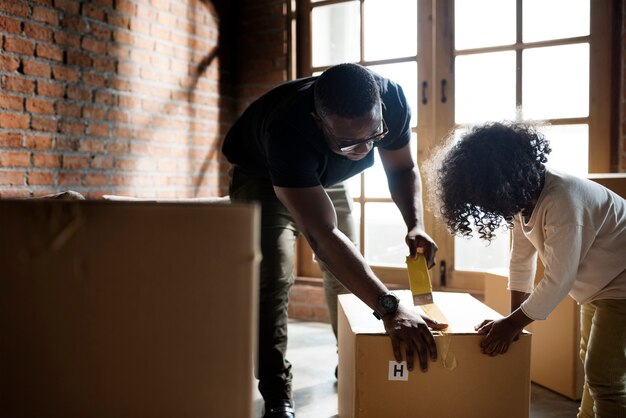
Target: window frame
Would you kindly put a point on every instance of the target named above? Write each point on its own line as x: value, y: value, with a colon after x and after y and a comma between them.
x: 435, y: 61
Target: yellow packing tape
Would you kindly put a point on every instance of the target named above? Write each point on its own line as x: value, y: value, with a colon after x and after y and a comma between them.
x: 419, y: 279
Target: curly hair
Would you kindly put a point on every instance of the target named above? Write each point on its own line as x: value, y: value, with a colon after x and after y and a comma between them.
x: 346, y: 90
x: 492, y: 173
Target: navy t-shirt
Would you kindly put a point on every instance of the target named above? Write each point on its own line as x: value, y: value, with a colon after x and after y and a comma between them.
x: 277, y: 138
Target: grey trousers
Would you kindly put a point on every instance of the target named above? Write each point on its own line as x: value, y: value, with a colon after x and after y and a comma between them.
x: 278, y: 236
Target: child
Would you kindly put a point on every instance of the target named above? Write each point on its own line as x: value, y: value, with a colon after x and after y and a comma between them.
x: 496, y: 176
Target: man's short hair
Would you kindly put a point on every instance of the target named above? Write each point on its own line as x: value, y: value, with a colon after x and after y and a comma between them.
x: 346, y: 90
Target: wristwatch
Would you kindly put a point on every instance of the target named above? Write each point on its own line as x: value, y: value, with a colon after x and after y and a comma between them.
x: 387, y: 303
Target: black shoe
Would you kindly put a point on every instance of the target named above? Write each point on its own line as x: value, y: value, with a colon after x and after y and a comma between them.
x: 282, y: 408
x: 336, y: 369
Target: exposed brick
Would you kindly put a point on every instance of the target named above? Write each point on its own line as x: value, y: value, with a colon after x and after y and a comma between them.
x: 11, y: 178
x: 69, y: 6
x: 69, y: 110
x: 67, y: 39
x: 75, y: 162
x: 10, y: 140
x: 38, y: 142
x: 37, y: 68
x: 104, y: 64
x: 78, y: 58
x: 96, y: 180
x: 70, y: 179
x: 19, y: 46
x: 39, y: 32
x: 118, y: 116
x: 99, y: 130
x: 105, y: 98
x: 126, y: 6
x: 92, y: 11
x: 14, y: 121
x: 14, y: 159
x: 46, y: 15
x: 79, y: 93
x: 91, y: 145
x: 104, y: 3
x: 93, y: 79
x: 45, y: 124
x: 94, y: 45
x: 15, y: 8
x: 118, y: 20
x: 72, y: 128
x: 47, y: 160
x: 67, y: 144
x: 40, y: 106
x: 101, y: 31
x: 8, y: 24
x: 140, y: 26
x: 11, y: 102
x: 65, y: 74
x: 40, y: 178
x: 50, y: 52
x: 50, y: 89
x: 8, y: 63
x: 118, y: 148
x: 100, y: 162
x: 93, y: 112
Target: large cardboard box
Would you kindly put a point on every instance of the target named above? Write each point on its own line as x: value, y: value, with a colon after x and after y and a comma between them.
x: 462, y: 383
x: 555, y: 360
x: 127, y: 309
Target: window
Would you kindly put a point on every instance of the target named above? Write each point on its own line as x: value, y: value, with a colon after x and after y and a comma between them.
x: 463, y: 62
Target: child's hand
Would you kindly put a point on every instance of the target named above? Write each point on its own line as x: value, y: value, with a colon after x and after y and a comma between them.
x: 500, y: 334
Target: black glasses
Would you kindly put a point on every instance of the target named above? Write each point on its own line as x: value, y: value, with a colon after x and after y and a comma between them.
x: 350, y: 145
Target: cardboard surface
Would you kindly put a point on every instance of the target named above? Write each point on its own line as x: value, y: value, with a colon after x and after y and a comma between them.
x: 555, y: 361
x: 120, y: 309
x: 462, y: 383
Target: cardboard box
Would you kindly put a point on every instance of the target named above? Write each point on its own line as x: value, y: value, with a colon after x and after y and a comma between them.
x: 555, y: 360
x: 127, y: 309
x: 462, y: 383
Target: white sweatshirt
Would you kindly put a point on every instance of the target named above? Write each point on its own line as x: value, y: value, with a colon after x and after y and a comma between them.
x: 578, y: 229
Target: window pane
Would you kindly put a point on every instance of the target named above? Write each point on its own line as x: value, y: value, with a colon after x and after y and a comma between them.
x: 482, y: 23
x: 556, y: 82
x: 554, y: 19
x: 390, y: 28
x: 485, y: 87
x: 405, y: 74
x: 376, y: 179
x: 384, y: 235
x: 354, y: 186
x: 335, y: 33
x: 570, y: 148
x: 478, y: 255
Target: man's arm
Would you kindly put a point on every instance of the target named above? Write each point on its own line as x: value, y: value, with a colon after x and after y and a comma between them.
x: 405, y: 187
x: 315, y: 217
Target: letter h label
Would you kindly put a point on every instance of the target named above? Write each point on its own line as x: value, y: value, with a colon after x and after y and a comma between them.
x: 398, y: 371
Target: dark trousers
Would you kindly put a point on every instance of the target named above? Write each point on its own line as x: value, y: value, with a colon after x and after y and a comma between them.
x: 278, y: 236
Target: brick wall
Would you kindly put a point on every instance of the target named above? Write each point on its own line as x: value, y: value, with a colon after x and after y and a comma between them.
x: 112, y: 96
x: 622, y: 111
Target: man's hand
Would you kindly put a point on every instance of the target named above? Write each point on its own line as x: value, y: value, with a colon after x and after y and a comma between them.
x: 500, y: 335
x: 420, y: 242
x: 407, y: 327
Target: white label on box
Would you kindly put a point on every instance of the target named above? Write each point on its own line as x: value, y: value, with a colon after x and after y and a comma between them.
x: 398, y: 371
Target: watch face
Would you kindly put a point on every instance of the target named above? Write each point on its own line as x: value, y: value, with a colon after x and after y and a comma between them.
x: 389, y: 303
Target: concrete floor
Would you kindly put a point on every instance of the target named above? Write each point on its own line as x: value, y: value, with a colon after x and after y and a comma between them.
x: 312, y: 353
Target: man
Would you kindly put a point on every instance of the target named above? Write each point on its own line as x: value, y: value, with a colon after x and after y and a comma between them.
x: 287, y: 147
